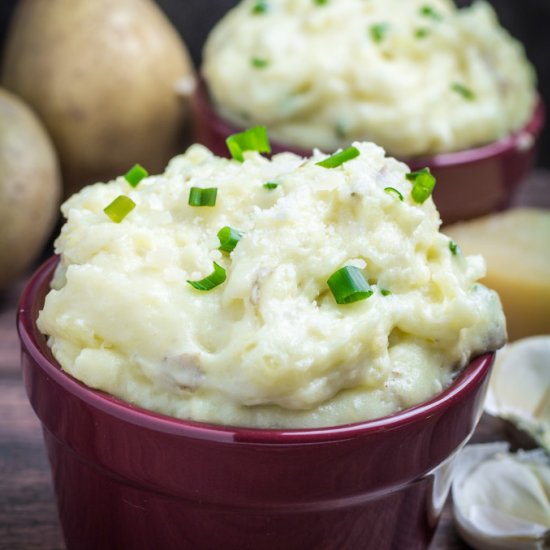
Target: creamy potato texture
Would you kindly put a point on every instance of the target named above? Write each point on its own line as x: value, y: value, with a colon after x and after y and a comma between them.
x: 415, y: 76
x: 270, y: 346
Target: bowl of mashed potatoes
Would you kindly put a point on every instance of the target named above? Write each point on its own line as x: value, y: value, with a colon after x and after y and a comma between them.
x: 434, y: 85
x: 257, y: 353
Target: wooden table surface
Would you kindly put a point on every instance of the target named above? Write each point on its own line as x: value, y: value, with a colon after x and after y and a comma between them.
x: 27, y: 508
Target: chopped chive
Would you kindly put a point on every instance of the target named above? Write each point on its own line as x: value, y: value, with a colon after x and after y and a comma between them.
x: 229, y: 238
x: 135, y: 175
x: 119, y: 208
x: 339, y: 158
x: 199, y: 196
x: 429, y: 11
x: 271, y: 185
x: 423, y: 184
x: 259, y: 62
x: 454, y: 248
x: 385, y: 292
x: 421, y: 33
x: 348, y: 285
x: 394, y: 191
x: 260, y: 7
x: 465, y: 92
x: 253, y: 139
x: 216, y: 278
x: 320, y: 2
x: 378, y: 31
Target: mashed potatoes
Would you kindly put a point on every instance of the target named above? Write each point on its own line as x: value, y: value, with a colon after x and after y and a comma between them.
x: 269, y: 346
x: 415, y: 76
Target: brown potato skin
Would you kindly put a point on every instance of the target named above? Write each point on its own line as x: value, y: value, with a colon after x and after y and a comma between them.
x: 30, y: 187
x: 102, y: 77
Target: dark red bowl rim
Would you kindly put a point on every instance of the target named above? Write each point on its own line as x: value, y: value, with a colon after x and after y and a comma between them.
x: 34, y: 344
x: 471, y: 155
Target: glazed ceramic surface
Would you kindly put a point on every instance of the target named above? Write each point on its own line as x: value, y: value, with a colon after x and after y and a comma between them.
x: 470, y: 183
x: 129, y: 478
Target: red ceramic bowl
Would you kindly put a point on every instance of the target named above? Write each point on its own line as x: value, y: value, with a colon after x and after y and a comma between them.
x: 127, y: 478
x: 471, y: 183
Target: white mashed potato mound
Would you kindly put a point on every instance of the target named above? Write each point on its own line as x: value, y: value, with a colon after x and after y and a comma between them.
x: 416, y: 77
x: 269, y: 347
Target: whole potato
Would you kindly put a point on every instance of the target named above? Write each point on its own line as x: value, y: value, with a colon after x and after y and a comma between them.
x: 103, y: 77
x: 30, y: 187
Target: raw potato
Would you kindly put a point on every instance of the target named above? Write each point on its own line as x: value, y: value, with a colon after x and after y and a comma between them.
x: 103, y: 77
x: 30, y: 187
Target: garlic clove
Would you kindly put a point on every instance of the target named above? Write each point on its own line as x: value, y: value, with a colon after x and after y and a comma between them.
x: 519, y: 389
x: 500, y: 525
x: 494, y: 480
x: 502, y: 500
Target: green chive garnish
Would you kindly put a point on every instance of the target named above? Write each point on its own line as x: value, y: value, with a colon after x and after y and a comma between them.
x: 254, y: 139
x: 378, y: 31
x: 135, y: 175
x: 339, y: 158
x: 429, y: 11
x: 216, y: 278
x: 320, y: 2
x: 385, y: 292
x: 229, y: 238
x: 271, y: 185
x: 348, y: 285
x: 394, y: 191
x: 260, y: 7
x: 454, y: 248
x: 202, y: 197
x: 421, y: 33
x: 259, y: 62
x: 423, y: 184
x: 119, y: 208
x: 466, y: 93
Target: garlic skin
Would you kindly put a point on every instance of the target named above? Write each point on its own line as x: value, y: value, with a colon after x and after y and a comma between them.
x: 502, y: 500
x: 519, y: 389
